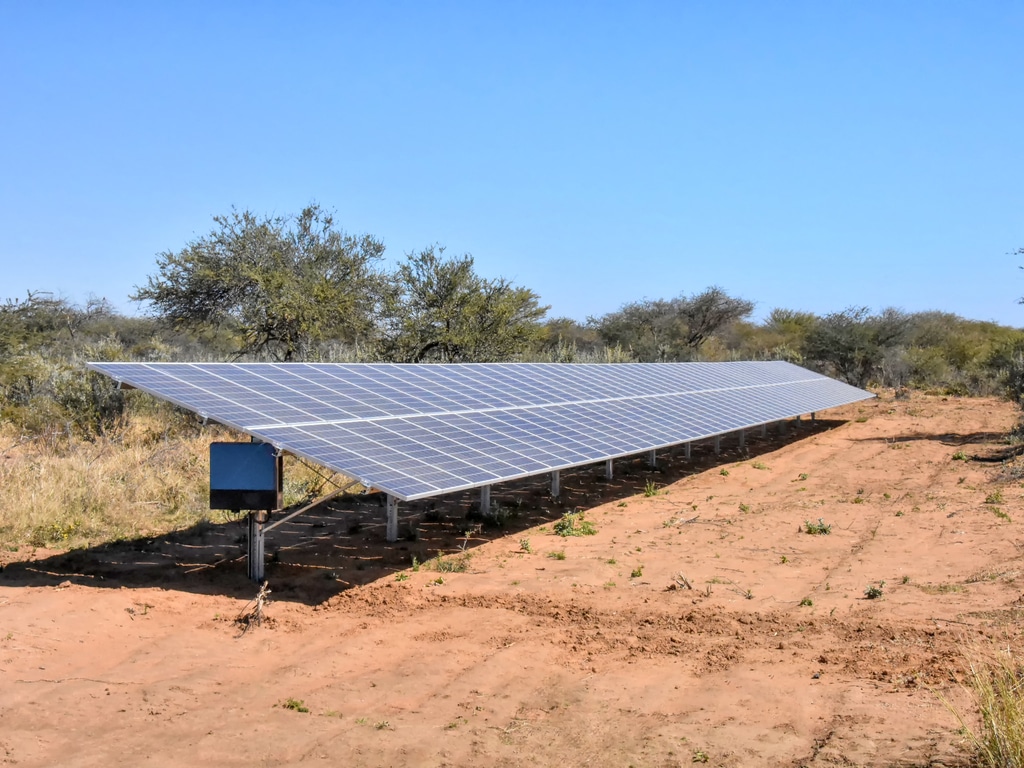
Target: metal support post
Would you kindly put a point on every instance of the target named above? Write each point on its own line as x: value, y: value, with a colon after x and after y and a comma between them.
x: 256, y: 549
x: 609, y: 469
x: 485, y: 499
x: 392, y: 529
x: 743, y: 438
x: 652, y: 459
x: 814, y: 417
x: 556, y: 487
x: 764, y: 430
x: 797, y: 424
x: 687, y: 452
x: 718, y: 445
x: 782, y: 427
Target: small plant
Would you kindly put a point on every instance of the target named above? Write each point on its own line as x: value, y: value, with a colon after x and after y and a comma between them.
x: 382, y: 725
x: 611, y: 561
x: 807, y: 602
x: 402, y: 576
x: 296, y: 705
x: 609, y: 584
x: 438, y: 581
x: 874, y: 591
x: 905, y: 579
x: 415, y: 564
x: 724, y: 472
x: 783, y: 560
x: 744, y: 508
x: 622, y: 504
x: 802, y: 476
x: 760, y: 465
x: 1001, y: 514
x: 449, y: 563
x: 820, y: 528
x: 900, y: 513
x: 524, y: 545
x: 650, y: 489
x: 574, y: 524
x: 700, y: 756
x: 959, y: 456
x: 557, y: 555
x: 637, y: 572
x: 996, y: 497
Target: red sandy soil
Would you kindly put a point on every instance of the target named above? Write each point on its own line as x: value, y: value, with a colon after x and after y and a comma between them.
x: 674, y: 634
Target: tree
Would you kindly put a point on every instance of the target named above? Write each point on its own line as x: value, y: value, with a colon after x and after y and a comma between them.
x: 676, y: 329
x: 284, y: 283
x: 854, y: 342
x: 438, y: 309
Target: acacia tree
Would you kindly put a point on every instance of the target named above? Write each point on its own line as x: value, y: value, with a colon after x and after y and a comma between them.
x: 438, y: 309
x: 853, y: 343
x: 676, y: 329
x: 283, y: 283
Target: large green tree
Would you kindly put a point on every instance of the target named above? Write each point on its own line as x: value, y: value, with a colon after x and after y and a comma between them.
x: 284, y: 283
x: 853, y: 343
x: 438, y: 309
x: 674, y: 329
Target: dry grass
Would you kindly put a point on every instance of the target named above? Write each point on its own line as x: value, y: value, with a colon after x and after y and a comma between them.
x: 140, y: 481
x: 995, y: 684
x: 149, y: 477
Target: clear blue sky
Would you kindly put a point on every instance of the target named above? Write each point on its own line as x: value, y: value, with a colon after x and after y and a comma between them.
x: 809, y: 155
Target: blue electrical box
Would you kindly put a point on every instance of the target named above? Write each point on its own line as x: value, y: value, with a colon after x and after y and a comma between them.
x: 245, y: 476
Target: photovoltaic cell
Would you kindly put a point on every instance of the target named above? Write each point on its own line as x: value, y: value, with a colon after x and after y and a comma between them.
x: 421, y: 430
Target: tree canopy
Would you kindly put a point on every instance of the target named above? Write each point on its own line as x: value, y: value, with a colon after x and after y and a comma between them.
x: 439, y: 309
x: 282, y: 283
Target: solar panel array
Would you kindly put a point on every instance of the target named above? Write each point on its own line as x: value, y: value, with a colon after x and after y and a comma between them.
x: 421, y: 430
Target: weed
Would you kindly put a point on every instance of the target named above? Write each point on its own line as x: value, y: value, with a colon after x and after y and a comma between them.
x: 861, y: 419
x: 401, y: 576
x: 905, y: 579
x: 959, y: 456
x: 802, y: 477
x: 899, y: 513
x: 820, y: 528
x: 449, y: 563
x: 886, y: 496
x: 296, y: 705
x: 650, y: 489
x: 382, y: 725
x: 637, y: 572
x: 524, y: 545
x: 438, y: 581
x: 783, y: 560
x: 609, y: 585
x: 361, y: 721
x: 557, y: 555
x: 760, y: 465
x: 724, y: 472
x: 415, y: 564
x: 995, y: 497
x: 611, y: 561
x: 858, y: 500
x: 874, y: 591
x: 622, y: 504
x: 456, y: 723
x: 807, y: 602
x: 1001, y: 515
x: 700, y: 756
x: 574, y: 524
x: 744, y: 508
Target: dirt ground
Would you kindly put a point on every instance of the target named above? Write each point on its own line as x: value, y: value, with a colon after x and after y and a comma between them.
x: 698, y: 624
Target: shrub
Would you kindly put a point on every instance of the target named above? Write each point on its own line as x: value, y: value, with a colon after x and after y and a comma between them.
x: 574, y: 524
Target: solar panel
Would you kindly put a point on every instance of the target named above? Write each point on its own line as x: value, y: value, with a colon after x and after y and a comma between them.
x: 420, y: 430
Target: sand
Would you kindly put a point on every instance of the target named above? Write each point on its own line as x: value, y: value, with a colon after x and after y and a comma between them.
x: 699, y: 623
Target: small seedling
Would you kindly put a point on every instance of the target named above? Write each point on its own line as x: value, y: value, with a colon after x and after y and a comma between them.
x: 899, y: 513
x: 959, y: 456
x: 574, y: 524
x: 760, y: 465
x: 802, y: 476
x: 905, y: 579
x: 996, y: 497
x: 820, y: 528
x: 700, y: 756
x: 382, y: 725
x: 415, y: 564
x: 744, y: 508
x: 1000, y: 514
x: 650, y: 489
x: 783, y: 560
x: 611, y: 561
x: 622, y: 504
x: 438, y: 581
x: 401, y: 576
x: 807, y: 602
x: 637, y: 572
x: 724, y: 472
x: 874, y: 591
x: 557, y: 555
x: 296, y: 705
x: 524, y: 545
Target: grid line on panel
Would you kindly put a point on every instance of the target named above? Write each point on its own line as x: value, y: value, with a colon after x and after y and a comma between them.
x: 420, y: 430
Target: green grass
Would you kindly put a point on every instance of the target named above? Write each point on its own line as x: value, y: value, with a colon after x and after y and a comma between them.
x: 650, y: 489
x: 296, y: 705
x: 449, y: 563
x: 874, y: 591
x: 557, y: 554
